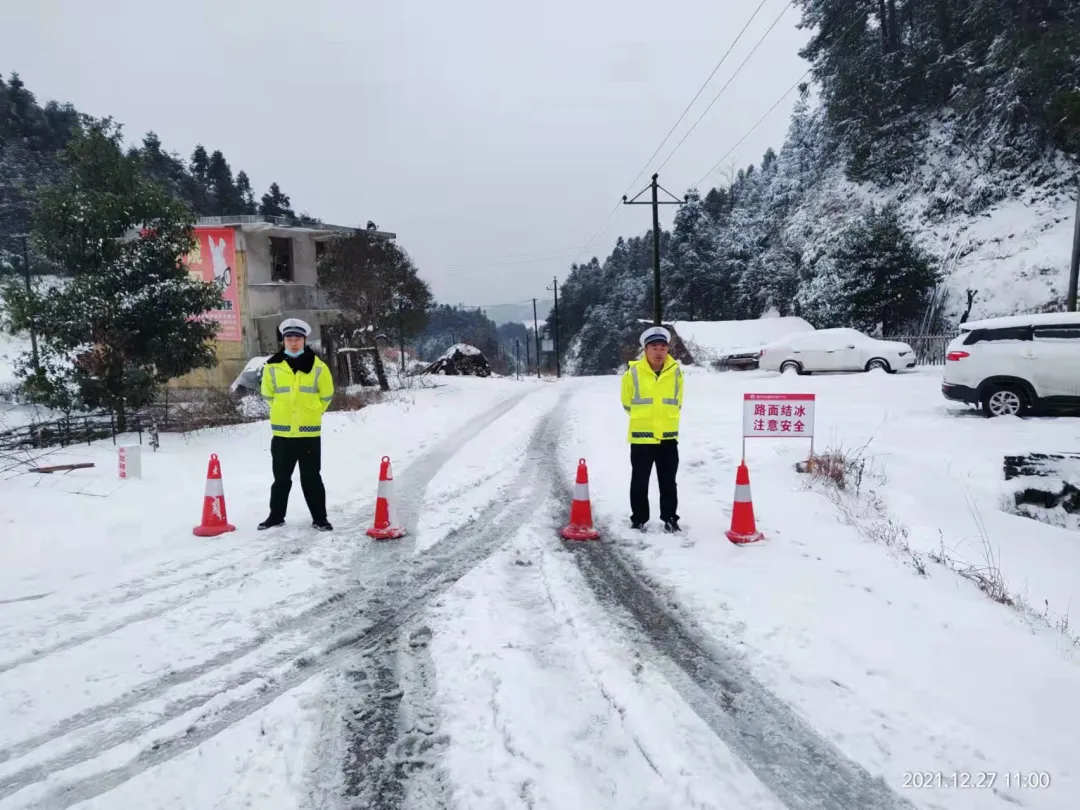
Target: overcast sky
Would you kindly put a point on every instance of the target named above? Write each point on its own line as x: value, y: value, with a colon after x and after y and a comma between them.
x: 494, y: 137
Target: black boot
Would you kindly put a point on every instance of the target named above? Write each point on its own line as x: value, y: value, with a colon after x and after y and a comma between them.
x: 322, y: 525
x: 271, y: 523
x: 672, y: 525
x: 638, y: 525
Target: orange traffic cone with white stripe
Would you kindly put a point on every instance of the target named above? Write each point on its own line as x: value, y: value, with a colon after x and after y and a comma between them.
x: 386, y: 525
x: 743, y: 528
x: 581, y: 524
x: 214, y: 519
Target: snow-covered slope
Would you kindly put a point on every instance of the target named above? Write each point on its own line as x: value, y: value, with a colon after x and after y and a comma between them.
x: 1007, y: 238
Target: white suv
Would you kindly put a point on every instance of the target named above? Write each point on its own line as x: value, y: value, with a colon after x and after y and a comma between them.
x: 1009, y: 365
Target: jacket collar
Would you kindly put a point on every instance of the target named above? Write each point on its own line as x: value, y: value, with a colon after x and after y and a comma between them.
x: 304, y: 363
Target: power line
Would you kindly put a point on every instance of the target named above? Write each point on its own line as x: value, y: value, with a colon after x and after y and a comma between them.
x: 750, y: 131
x: 701, y: 90
x: 606, y: 223
x: 464, y: 268
x: 492, y: 306
x: 738, y: 70
x: 848, y: 30
x: 540, y: 255
x: 601, y: 229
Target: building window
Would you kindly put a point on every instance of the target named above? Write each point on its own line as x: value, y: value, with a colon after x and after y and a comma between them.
x: 320, y: 251
x: 281, y: 258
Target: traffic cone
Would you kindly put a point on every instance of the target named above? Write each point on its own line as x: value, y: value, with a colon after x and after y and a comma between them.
x: 214, y: 519
x: 743, y: 528
x: 386, y: 526
x: 581, y: 525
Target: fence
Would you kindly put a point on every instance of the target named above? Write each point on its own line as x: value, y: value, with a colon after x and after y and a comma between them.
x: 67, y: 431
x: 930, y: 350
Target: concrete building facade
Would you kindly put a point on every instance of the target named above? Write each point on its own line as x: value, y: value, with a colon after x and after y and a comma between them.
x: 268, y: 269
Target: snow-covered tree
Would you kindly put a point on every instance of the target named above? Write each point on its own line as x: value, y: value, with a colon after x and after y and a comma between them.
x: 885, y: 277
x: 128, y: 320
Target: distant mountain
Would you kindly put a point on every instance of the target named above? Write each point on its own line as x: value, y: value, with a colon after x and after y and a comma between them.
x: 519, y: 313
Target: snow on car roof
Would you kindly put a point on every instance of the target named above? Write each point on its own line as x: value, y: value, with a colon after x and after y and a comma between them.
x: 1032, y: 319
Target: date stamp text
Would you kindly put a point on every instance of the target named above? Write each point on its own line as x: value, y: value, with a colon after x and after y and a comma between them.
x: 976, y: 779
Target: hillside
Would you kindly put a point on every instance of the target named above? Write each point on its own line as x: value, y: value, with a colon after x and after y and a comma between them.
x: 32, y: 137
x: 936, y: 152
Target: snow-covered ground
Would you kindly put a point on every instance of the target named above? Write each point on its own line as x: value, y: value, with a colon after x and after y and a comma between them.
x: 481, y: 662
x: 11, y: 348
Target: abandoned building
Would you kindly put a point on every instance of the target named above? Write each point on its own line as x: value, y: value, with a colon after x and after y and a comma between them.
x: 267, y: 268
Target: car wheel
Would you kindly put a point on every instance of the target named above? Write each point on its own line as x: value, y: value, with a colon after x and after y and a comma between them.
x: 877, y: 362
x: 789, y: 365
x: 1004, y: 400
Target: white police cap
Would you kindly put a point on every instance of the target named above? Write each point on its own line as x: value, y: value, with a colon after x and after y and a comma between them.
x: 653, y: 334
x: 294, y: 326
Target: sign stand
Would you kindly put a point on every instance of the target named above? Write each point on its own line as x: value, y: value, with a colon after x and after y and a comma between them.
x: 779, y: 416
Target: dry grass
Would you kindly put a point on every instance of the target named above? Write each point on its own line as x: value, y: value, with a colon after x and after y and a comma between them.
x: 410, y: 382
x: 846, y: 476
x: 354, y: 399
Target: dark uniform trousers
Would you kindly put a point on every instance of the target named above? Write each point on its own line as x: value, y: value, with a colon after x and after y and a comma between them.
x: 286, y: 453
x: 642, y: 458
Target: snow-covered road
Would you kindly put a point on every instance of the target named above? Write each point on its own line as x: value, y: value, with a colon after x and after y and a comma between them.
x: 481, y: 662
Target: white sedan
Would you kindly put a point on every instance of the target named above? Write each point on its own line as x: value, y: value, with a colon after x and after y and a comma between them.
x: 835, y: 350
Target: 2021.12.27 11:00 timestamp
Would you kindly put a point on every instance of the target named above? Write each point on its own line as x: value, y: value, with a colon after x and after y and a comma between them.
x: 976, y: 779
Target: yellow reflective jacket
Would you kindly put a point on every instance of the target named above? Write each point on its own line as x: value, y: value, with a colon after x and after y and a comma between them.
x: 654, y: 401
x: 299, y: 394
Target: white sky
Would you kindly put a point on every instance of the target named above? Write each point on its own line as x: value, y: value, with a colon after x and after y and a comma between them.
x: 494, y: 139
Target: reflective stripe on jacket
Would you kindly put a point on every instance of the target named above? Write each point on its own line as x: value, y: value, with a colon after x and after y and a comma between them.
x: 653, y: 402
x: 298, y: 399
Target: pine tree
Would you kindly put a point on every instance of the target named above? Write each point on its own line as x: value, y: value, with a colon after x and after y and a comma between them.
x: 129, y: 318
x: 247, y: 196
x: 224, y: 197
x: 885, y: 277
x: 161, y: 168
x: 275, y: 203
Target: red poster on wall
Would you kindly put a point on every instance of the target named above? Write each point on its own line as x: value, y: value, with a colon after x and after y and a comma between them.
x: 214, y: 260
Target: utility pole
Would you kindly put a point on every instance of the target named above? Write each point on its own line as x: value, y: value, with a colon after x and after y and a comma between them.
x: 555, y: 287
x: 26, y: 276
x: 655, y: 202
x: 536, y: 337
x: 1074, y: 268
x: 401, y: 335
x: 517, y: 357
x: 528, y: 356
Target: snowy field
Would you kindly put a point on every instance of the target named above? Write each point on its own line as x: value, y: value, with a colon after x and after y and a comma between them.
x: 481, y: 662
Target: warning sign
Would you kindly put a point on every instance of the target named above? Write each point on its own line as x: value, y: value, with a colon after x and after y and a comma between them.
x: 778, y: 416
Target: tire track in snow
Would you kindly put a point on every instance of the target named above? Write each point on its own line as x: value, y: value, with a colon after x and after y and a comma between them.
x: 316, y: 617
x: 391, y: 732
x: 788, y: 756
x: 387, y: 699
x: 418, y: 474
x: 404, y: 594
x: 273, y: 557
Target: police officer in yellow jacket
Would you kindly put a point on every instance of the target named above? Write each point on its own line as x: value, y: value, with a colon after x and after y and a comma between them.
x: 299, y: 388
x: 652, y: 393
